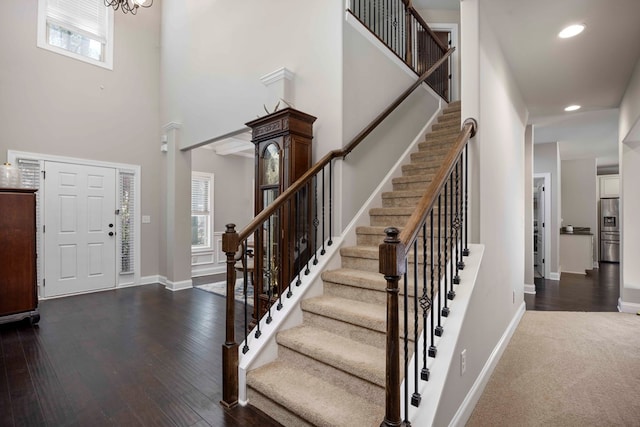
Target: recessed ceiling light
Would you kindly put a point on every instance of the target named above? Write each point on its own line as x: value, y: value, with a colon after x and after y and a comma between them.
x: 571, y: 31
x: 572, y: 108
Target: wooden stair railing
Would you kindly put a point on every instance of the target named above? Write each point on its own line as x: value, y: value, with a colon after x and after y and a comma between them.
x: 394, y: 253
x: 398, y: 25
x: 232, y: 241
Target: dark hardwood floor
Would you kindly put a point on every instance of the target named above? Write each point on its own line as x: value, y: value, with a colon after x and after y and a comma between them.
x: 140, y: 356
x: 597, y: 291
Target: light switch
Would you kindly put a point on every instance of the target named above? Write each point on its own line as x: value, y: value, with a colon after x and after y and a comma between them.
x: 146, y: 219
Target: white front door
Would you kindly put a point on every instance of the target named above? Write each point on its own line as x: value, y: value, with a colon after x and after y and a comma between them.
x: 79, y: 238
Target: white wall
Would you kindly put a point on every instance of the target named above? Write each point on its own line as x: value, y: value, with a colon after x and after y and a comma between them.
x: 53, y: 104
x: 528, y: 207
x: 214, y: 53
x: 629, y: 149
x: 546, y: 159
x: 580, y: 196
x: 367, y: 67
x: 499, y: 172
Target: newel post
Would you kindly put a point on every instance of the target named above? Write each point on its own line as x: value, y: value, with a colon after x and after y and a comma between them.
x: 408, y: 34
x: 230, y: 242
x: 392, y: 266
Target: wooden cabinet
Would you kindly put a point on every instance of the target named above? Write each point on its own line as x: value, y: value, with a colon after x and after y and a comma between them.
x: 282, y: 155
x: 18, y: 287
x: 609, y: 186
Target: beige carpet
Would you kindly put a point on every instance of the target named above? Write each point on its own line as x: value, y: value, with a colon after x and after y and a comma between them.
x: 566, y: 369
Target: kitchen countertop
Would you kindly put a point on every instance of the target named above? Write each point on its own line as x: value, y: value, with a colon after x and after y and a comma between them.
x: 577, y: 231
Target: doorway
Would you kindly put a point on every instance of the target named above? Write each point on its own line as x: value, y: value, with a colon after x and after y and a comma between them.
x: 541, y: 224
x: 80, y: 234
x: 448, y: 33
x: 538, y: 225
x: 110, y: 197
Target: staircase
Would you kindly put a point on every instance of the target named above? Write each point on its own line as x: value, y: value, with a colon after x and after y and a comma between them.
x: 330, y: 371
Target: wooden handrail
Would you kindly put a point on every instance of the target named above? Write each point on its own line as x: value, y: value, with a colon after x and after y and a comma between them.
x: 412, y: 228
x: 324, y: 161
x: 392, y: 255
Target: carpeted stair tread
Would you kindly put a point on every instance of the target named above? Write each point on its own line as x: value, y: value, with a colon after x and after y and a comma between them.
x: 368, y: 252
x: 392, y: 211
x: 370, y: 316
x: 361, y: 360
x: 357, y: 278
x: 413, y: 178
x: 314, y: 399
x: 364, y: 282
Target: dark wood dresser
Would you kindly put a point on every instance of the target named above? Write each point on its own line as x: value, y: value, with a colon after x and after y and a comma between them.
x: 18, y: 267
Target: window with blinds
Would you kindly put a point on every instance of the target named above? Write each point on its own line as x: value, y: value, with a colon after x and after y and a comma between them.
x: 201, y: 210
x: 127, y: 224
x: 82, y: 29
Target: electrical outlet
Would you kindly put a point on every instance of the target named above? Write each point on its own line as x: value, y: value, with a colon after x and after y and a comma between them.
x: 463, y: 362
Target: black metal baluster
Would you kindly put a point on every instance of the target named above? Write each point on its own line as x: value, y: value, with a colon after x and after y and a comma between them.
x: 452, y: 242
x: 459, y: 215
x: 292, y: 256
x: 282, y: 251
x: 456, y: 225
x: 315, y: 220
x: 269, y: 270
x: 406, y: 343
x: 432, y: 347
x: 466, y: 251
x: 324, y: 189
x: 330, y: 242
x: 304, y: 232
x: 305, y: 237
x: 439, y: 328
x: 425, y: 304
x: 447, y: 247
x: 245, y: 348
x: 257, y: 269
x: 415, y: 398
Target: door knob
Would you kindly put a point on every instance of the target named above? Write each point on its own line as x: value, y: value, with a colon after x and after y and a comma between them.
x: 111, y: 233
x: 110, y: 225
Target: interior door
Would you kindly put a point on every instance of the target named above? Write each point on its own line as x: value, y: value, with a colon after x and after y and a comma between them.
x: 79, y: 238
x: 539, y: 231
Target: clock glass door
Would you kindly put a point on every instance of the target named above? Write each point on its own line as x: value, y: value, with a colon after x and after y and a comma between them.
x: 271, y: 233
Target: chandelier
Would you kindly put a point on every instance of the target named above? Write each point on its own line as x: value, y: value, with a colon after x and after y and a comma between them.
x: 128, y: 5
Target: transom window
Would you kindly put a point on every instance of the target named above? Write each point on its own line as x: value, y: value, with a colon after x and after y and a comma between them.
x: 81, y: 29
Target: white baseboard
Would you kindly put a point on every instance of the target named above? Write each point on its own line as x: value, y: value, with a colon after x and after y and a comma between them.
x: 178, y: 286
x: 529, y: 289
x: 148, y: 280
x: 208, y: 271
x: 132, y: 285
x: 554, y: 276
x: 584, y: 273
x: 628, y: 307
x: 469, y: 403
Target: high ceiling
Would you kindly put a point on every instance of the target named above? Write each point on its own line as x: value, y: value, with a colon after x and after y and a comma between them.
x: 592, y: 69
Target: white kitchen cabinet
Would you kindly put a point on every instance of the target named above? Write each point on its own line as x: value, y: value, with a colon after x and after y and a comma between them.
x: 609, y: 186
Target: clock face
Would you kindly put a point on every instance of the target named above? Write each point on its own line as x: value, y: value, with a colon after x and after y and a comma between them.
x: 271, y: 165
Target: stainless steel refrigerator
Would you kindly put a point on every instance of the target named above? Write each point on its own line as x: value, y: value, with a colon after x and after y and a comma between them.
x: 609, y: 230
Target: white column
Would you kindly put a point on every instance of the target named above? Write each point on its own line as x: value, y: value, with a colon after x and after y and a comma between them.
x: 279, y: 85
x: 177, y: 248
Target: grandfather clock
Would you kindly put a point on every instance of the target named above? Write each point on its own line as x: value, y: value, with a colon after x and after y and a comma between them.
x: 281, y: 246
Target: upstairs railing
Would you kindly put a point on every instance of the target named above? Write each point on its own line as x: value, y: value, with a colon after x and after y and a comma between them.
x: 401, y: 28
x: 427, y: 256
x: 317, y: 182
